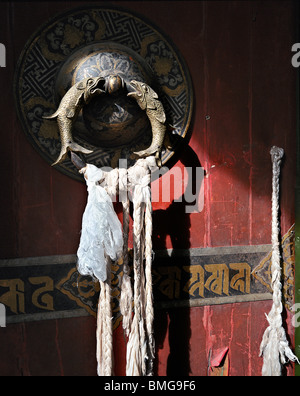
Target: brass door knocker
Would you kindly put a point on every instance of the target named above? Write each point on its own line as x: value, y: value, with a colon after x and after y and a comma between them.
x: 85, y: 90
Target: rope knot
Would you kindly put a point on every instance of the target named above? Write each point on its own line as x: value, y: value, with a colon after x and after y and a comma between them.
x: 139, y: 177
x: 276, y: 153
x: 274, y: 346
x: 111, y: 181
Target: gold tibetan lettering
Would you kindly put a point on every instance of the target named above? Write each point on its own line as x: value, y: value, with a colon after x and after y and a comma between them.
x: 218, y: 282
x: 14, y: 297
x: 195, y: 285
x: 40, y: 297
x: 170, y: 286
x: 241, y: 280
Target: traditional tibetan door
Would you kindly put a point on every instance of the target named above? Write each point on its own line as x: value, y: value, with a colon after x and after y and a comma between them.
x: 211, y: 203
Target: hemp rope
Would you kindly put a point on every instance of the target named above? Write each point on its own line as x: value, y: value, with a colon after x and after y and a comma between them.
x: 126, y: 291
x: 148, y: 274
x: 274, y: 346
x: 104, y: 333
x: 140, y: 346
x: 101, y: 241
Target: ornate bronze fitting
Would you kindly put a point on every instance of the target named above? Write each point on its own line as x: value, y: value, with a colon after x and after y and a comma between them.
x: 90, y: 42
x: 68, y: 110
x: 147, y: 99
x: 82, y: 93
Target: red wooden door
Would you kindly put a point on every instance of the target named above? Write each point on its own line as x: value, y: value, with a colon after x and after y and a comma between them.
x: 239, y: 57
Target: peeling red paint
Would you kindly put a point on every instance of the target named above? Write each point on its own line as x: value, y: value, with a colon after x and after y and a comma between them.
x: 217, y: 357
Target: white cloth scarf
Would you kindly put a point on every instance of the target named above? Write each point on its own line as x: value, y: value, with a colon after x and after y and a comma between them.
x: 101, y: 233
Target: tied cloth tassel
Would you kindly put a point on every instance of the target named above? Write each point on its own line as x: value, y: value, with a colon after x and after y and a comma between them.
x: 274, y: 346
x: 101, y: 242
x: 126, y: 290
x: 140, y: 346
x: 101, y: 234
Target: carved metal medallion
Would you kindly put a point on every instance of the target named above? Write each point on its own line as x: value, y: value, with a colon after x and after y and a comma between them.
x: 87, y: 42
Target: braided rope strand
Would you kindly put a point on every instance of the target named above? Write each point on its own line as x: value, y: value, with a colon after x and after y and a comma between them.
x: 140, y: 343
x: 126, y: 290
x: 274, y: 346
x: 148, y: 274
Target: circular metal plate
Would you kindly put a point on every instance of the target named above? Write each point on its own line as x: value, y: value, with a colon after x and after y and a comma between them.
x: 81, y: 42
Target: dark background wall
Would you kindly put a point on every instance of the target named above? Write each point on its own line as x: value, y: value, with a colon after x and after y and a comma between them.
x: 239, y: 57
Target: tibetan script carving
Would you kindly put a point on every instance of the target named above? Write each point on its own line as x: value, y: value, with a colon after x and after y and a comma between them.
x: 51, y: 286
x: 218, y: 282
